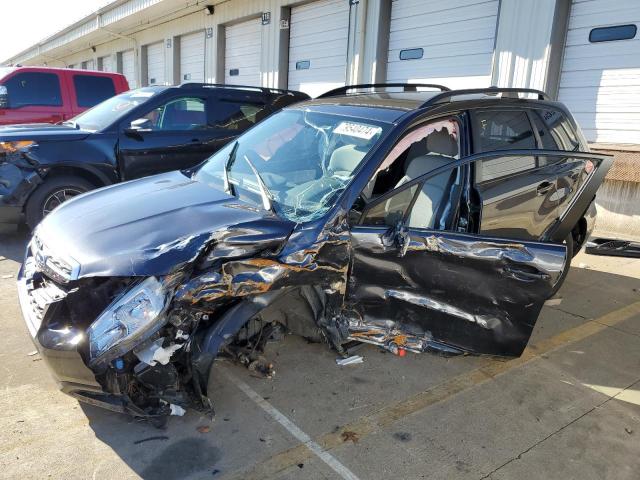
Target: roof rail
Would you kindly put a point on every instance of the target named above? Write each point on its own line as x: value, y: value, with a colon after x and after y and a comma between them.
x: 488, y: 91
x: 407, y: 87
x: 237, y: 87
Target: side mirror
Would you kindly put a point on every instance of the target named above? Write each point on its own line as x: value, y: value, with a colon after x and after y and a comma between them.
x: 4, y: 97
x: 138, y: 126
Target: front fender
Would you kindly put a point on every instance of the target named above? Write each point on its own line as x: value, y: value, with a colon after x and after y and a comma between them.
x: 16, y: 184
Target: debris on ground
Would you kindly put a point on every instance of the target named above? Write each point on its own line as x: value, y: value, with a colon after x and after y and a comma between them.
x: 552, y: 302
x: 628, y: 430
x: 352, y: 360
x: 149, y: 439
x: 203, y: 429
x: 31, y: 354
x: 348, y: 435
x: 262, y: 366
x: 177, y: 410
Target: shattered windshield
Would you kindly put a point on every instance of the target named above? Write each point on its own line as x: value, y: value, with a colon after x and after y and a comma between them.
x: 296, y: 162
x: 107, y: 112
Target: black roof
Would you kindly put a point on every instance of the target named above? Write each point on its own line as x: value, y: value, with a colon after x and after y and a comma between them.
x: 378, y: 101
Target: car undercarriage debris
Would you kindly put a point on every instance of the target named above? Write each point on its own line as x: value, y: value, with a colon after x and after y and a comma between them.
x: 613, y: 248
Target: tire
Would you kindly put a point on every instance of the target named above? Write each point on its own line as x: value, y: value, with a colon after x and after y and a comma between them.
x: 569, y: 243
x: 52, y: 193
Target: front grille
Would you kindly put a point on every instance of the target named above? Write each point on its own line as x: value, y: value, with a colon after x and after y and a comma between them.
x: 37, y: 294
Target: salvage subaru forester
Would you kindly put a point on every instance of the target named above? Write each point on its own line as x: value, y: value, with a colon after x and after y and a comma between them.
x: 430, y: 220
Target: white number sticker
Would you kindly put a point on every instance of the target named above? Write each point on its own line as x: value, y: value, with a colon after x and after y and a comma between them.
x: 358, y: 130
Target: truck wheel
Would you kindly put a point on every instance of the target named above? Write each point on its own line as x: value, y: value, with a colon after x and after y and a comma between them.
x: 570, y: 245
x: 52, y: 193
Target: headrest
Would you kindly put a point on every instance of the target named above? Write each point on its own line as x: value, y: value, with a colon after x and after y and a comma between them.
x: 441, y: 143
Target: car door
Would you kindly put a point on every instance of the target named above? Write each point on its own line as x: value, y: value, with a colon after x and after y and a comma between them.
x: 419, y: 285
x: 36, y: 97
x: 175, y: 134
x: 519, y: 193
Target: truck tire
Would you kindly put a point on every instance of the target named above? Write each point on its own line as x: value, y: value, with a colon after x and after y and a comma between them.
x: 52, y: 193
x: 570, y: 246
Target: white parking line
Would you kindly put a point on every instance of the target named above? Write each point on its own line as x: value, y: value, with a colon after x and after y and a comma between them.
x: 293, y: 429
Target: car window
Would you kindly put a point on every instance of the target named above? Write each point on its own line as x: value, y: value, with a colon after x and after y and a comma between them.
x: 431, y: 201
x: 392, y: 210
x: 562, y: 133
x: 237, y: 115
x: 188, y: 113
x: 91, y: 89
x: 34, y: 88
x: 503, y: 130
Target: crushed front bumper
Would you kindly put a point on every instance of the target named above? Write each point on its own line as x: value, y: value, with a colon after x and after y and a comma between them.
x: 62, y: 357
x: 16, y: 184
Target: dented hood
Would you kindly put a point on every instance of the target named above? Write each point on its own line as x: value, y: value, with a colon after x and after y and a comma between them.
x: 152, y: 226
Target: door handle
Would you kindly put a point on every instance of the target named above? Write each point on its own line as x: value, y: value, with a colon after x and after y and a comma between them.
x: 543, y: 188
x: 524, y: 274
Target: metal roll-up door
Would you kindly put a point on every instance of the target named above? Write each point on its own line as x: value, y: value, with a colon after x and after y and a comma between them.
x: 450, y: 43
x: 155, y: 64
x: 105, y: 64
x: 129, y: 68
x: 192, y: 57
x: 88, y: 65
x: 600, y: 78
x: 242, y: 53
x: 318, y: 40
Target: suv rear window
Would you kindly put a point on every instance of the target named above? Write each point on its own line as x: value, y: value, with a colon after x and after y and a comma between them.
x: 562, y: 134
x: 237, y: 115
x: 34, y: 88
x: 503, y: 130
x: 91, y: 89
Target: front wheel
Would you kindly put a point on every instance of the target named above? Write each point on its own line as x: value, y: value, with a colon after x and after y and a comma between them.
x: 52, y: 193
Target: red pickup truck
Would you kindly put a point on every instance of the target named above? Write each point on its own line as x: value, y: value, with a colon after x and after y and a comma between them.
x: 51, y: 95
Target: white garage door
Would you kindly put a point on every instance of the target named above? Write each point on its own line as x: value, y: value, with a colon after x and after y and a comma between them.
x: 88, y: 65
x: 105, y: 64
x: 600, y: 80
x: 450, y: 42
x: 129, y: 68
x: 155, y: 64
x: 192, y: 57
x: 318, y: 39
x: 243, y: 49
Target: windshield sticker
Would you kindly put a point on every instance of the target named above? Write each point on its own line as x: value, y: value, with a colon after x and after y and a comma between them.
x: 358, y: 130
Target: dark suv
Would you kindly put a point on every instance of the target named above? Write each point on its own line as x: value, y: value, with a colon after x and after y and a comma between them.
x: 420, y: 221
x: 135, y: 134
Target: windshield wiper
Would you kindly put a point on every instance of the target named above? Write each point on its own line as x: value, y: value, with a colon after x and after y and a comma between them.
x: 228, y: 188
x: 72, y: 124
x: 264, y: 191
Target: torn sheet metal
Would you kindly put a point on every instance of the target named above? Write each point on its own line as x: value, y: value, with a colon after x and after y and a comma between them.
x: 352, y: 360
x: 613, y: 248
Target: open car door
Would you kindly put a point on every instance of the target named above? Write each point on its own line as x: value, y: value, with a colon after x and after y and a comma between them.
x: 419, y: 284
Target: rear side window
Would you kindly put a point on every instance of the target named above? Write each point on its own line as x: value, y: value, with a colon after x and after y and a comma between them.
x: 503, y: 130
x: 561, y: 134
x: 236, y: 115
x: 34, y: 88
x: 92, y: 90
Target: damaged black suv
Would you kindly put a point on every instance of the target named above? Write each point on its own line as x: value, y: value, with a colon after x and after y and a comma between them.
x: 429, y: 220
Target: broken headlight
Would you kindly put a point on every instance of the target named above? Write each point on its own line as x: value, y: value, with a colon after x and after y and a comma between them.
x: 130, y: 319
